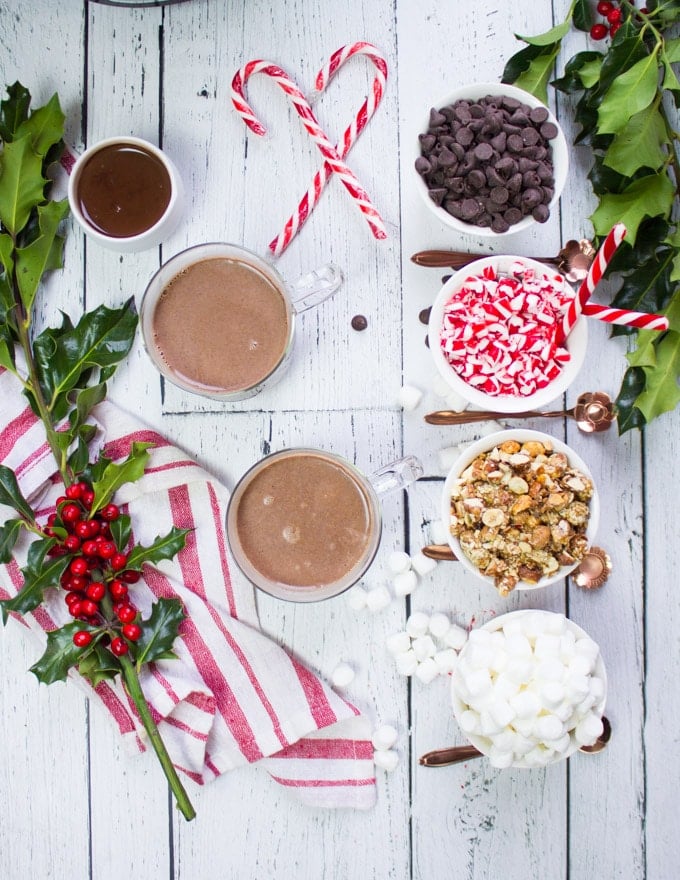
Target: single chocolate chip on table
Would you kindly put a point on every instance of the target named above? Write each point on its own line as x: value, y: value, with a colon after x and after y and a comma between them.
x: 424, y: 315
x: 359, y: 322
x: 489, y: 162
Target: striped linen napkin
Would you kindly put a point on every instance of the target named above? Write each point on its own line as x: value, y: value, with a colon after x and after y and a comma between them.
x: 233, y: 696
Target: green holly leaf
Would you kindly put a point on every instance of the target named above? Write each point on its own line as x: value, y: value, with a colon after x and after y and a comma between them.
x: 537, y: 75
x: 65, y: 357
x: 554, y: 35
x: 96, y: 663
x: 79, y: 458
x: 60, y: 653
x: 628, y: 416
x: 648, y: 288
x: 626, y: 50
x: 159, y: 632
x: 121, y: 529
x: 21, y: 183
x: 45, y: 127
x: 117, y: 474
x: 583, y: 16
x: 14, y: 110
x: 671, y: 50
x: 661, y: 393
x: 9, y: 533
x: 641, y: 143
x: 85, y: 400
x: 647, y: 197
x: 10, y: 493
x: 579, y: 68
x: 41, y: 573
x: 520, y: 62
x: 629, y: 93
x: 42, y: 254
x: 163, y: 547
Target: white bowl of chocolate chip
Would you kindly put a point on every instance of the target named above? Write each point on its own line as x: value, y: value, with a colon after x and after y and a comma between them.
x: 491, y: 160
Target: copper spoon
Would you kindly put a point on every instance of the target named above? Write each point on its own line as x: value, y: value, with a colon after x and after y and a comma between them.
x: 458, y: 754
x: 574, y: 259
x: 593, y: 412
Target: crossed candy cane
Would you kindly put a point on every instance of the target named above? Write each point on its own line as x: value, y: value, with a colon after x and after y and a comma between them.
x: 333, y: 155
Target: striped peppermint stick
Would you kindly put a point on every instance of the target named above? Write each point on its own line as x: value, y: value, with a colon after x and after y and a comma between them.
x: 352, y: 132
x: 641, y: 320
x: 592, y: 279
x: 302, y: 107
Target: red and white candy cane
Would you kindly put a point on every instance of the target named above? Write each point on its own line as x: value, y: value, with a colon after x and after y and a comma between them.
x: 352, y: 132
x: 313, y: 128
x: 597, y: 269
x: 626, y: 318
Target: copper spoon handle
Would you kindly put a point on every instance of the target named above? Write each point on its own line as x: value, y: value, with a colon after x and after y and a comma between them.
x: 454, y: 259
x: 449, y: 417
x: 442, y: 552
x: 452, y: 755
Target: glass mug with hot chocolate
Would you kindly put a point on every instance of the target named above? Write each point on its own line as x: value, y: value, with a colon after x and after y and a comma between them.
x: 219, y: 320
x: 304, y: 524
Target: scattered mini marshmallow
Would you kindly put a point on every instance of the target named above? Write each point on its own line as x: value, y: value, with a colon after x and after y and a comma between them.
x: 409, y: 397
x: 356, y: 597
x: 424, y: 647
x: 439, y: 625
x: 378, y: 598
x: 455, y: 637
x: 454, y: 401
x: 417, y: 624
x: 398, y: 561
x: 427, y: 671
x: 422, y: 564
x: 439, y: 532
x: 446, y: 660
x: 446, y: 458
x: 343, y: 674
x: 407, y: 662
x: 398, y: 643
x: 384, y: 737
x: 386, y: 760
x: 441, y: 387
x: 404, y: 583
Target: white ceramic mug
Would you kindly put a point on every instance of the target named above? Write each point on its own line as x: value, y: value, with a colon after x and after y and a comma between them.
x: 126, y: 194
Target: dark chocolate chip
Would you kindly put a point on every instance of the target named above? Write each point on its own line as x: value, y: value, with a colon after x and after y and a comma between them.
x: 457, y: 186
x: 458, y: 150
x: 515, y: 183
x: 447, y: 158
x: 427, y: 341
x: 538, y: 115
x: 493, y: 178
x: 437, y: 195
x: 541, y: 213
x: 424, y: 315
x: 464, y: 136
x: 519, y: 117
x: 530, y: 136
x: 422, y: 165
x: 477, y: 111
x: 530, y: 179
x: 454, y: 207
x: 470, y: 209
x: 359, y: 322
x: 483, y: 152
x: 427, y: 141
x: 445, y: 278
x: 532, y: 197
x: 548, y: 131
x: 525, y: 165
x: 512, y: 216
x: 461, y: 112
x: 499, y: 195
x: 499, y: 223
x: 506, y: 167
x: 476, y: 179
x: 484, y: 219
x: 436, y: 118
x: 499, y: 142
x: 515, y: 143
x: 510, y: 103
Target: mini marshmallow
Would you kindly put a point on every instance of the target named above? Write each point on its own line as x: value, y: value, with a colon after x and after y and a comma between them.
x: 439, y: 532
x: 588, y: 648
x: 533, y: 624
x: 547, y: 646
x: 499, y: 662
x: 398, y: 643
x: 427, y: 671
x: 398, y: 561
x: 564, y: 711
x: 378, y: 598
x: 596, y: 687
x: 522, y: 744
x: 386, y: 760
x: 407, y: 663
x: 500, y: 759
x: 481, y: 637
x: 469, y: 721
x: 538, y: 756
x: 456, y: 637
x: 552, y: 693
x: 519, y: 669
x: 440, y: 386
x: 424, y: 647
x: 446, y: 660
x: 555, y: 624
x: 439, y: 625
x: 588, y: 729
x: 548, y: 727
x: 384, y: 737
x: 478, y: 656
x: 490, y: 427
x: 404, y: 583
x: 488, y: 726
x: 526, y: 704
x: 342, y: 675
x: 446, y: 457
x: 578, y: 687
x: 417, y: 624
x: 504, y: 687
x: 356, y: 596
x: 567, y: 646
x: 560, y: 745
x: 512, y: 628
x: 505, y: 740
x: 501, y: 712
x: 409, y: 397
x: 550, y: 669
x: 525, y: 727
x: 581, y: 665
x: 518, y: 646
x: 478, y: 682
x: 423, y: 564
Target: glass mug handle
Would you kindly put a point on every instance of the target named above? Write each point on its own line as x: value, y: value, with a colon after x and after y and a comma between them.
x: 314, y: 287
x: 397, y: 475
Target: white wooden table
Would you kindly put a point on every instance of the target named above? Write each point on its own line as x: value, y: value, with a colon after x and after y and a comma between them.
x: 74, y: 805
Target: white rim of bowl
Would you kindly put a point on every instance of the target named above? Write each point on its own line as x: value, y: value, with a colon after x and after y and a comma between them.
x: 486, y: 444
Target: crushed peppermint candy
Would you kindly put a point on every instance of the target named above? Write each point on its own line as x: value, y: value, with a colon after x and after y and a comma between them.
x: 500, y: 331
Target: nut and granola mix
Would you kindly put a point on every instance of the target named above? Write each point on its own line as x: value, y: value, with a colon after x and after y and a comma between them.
x: 520, y: 512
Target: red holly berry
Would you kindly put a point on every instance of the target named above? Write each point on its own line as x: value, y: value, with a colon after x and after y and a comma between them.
x: 130, y: 576
x: 74, y: 491
x: 107, y: 550
x: 78, y: 566
x: 131, y: 631
x: 604, y: 8
x: 110, y: 512
x: 82, y: 528
x: 119, y: 561
x: 82, y: 638
x: 87, y: 498
x: 75, y: 608
x: 52, y: 519
x: 119, y: 646
x: 93, y: 528
x: 614, y: 28
x: 88, y: 608
x: 118, y: 590
x: 598, y: 31
x: 90, y: 547
x: 72, y: 543
x: 70, y: 513
x: 71, y: 597
x: 78, y: 583
x: 614, y: 16
x: 96, y: 591
x: 60, y: 500
x: 126, y: 613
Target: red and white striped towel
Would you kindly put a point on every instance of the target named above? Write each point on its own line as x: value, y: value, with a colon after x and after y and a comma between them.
x: 233, y: 696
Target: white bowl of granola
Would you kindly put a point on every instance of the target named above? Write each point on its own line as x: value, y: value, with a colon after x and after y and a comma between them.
x: 522, y: 509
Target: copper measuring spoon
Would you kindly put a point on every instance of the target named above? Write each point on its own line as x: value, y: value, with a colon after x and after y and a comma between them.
x: 593, y: 412
x: 573, y: 259
x: 458, y: 754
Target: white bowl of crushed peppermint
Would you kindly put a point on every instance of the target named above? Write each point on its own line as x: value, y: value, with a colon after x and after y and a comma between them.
x: 495, y: 334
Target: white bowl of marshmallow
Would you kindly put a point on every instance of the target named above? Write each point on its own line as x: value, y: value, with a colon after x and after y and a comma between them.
x: 529, y: 689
